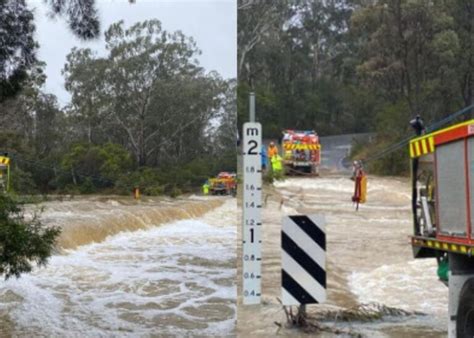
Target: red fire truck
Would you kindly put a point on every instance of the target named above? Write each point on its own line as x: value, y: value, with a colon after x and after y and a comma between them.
x: 224, y: 184
x: 443, y: 213
x: 301, y: 152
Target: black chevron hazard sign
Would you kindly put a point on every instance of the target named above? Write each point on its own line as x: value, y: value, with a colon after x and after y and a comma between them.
x: 303, y: 274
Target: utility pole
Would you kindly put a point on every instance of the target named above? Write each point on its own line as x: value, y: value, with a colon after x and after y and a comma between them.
x: 252, y: 107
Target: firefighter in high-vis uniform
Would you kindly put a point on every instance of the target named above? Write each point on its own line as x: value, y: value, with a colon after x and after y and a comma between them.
x: 277, y: 164
x: 272, y: 150
x: 205, y: 188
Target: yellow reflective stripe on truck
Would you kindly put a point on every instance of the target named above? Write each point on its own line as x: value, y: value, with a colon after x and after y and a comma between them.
x: 431, y: 141
x: 421, y: 146
x: 4, y: 160
x: 428, y: 140
x: 302, y: 146
x: 444, y: 246
x: 424, y: 147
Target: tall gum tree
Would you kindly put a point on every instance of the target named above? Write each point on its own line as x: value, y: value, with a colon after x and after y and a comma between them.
x: 149, y: 93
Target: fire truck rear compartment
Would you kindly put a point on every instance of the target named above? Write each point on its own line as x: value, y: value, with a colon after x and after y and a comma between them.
x: 451, y: 182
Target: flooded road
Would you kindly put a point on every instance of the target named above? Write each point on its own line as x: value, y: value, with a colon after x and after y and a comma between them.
x: 174, y: 274
x: 368, y: 254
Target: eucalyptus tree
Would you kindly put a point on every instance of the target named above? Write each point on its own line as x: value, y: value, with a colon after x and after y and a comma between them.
x: 18, y: 46
x: 292, y: 65
x: 409, y: 53
x: 81, y: 16
x: 148, y: 93
x: 84, y: 73
x: 462, y: 12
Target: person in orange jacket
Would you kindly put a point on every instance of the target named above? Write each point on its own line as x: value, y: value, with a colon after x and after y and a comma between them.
x: 272, y: 150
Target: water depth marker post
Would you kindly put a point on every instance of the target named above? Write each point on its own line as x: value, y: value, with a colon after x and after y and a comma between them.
x: 252, y: 206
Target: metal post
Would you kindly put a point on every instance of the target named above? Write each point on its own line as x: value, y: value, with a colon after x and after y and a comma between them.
x: 252, y: 107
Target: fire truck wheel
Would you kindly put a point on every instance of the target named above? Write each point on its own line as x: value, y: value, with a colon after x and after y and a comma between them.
x: 465, y: 314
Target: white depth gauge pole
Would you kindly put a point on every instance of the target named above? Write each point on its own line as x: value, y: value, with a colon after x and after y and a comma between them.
x: 252, y: 204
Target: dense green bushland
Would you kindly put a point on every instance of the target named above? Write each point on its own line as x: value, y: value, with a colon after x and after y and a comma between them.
x: 144, y: 115
x: 348, y: 66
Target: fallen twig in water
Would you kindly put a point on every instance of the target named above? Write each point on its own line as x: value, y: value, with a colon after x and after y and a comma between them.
x: 302, y: 321
x: 365, y: 313
x: 361, y: 313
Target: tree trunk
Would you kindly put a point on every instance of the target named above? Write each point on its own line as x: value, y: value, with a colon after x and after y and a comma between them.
x: 89, y: 133
x: 73, y: 176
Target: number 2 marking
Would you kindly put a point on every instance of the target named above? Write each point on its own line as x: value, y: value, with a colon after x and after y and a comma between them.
x: 253, y: 146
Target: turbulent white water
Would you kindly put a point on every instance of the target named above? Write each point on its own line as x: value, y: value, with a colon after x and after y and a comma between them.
x: 174, y: 279
x: 369, y: 253
x: 411, y: 286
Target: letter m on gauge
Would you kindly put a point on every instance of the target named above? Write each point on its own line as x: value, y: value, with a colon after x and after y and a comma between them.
x: 252, y: 131
x: 252, y: 138
x: 303, y: 242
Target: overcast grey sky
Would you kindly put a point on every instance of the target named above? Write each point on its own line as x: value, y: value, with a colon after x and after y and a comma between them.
x: 212, y: 24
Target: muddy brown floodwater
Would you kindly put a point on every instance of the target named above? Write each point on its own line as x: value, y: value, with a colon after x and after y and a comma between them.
x: 158, y: 267
x: 369, y: 259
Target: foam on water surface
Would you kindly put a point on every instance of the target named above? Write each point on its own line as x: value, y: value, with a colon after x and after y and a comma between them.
x: 340, y: 184
x: 412, y: 286
x: 369, y: 251
x: 170, y: 280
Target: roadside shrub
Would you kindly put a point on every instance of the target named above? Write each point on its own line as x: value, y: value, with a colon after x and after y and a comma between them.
x: 146, y: 179
x: 22, y: 181
x: 87, y: 187
x: 154, y: 190
x: 175, y: 192
x: 99, y: 166
x: 23, y: 241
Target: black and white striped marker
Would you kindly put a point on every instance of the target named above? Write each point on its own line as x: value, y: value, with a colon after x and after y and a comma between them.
x: 303, y: 242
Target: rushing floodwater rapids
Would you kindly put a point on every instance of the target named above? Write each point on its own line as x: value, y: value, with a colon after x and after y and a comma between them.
x: 163, y: 267
x: 174, y: 274
x: 369, y: 259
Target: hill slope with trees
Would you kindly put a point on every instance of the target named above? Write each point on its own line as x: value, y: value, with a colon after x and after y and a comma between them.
x: 348, y: 66
x: 144, y: 115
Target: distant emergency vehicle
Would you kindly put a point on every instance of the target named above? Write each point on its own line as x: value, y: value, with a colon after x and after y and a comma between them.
x: 301, y: 152
x: 224, y: 184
